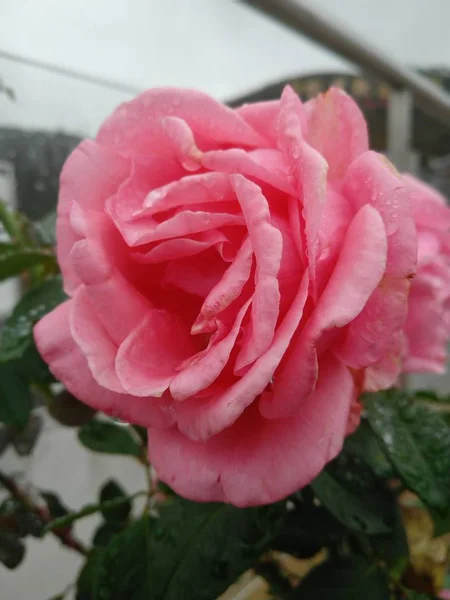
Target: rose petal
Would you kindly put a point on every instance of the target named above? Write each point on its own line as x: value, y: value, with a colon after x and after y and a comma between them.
x: 147, y: 174
x: 203, y: 418
x: 147, y: 359
x: 429, y: 207
x: 181, y: 247
x: 262, y: 116
x: 425, y: 330
x: 337, y: 129
x: 186, y: 222
x: 136, y: 127
x: 384, y: 373
x: 336, y: 217
x: 183, y: 141
x: 104, y: 283
x: 309, y: 169
x: 228, y: 288
x: 372, y: 179
x: 67, y: 363
x: 89, y: 176
x: 358, y: 270
x: 97, y: 347
x: 267, y: 243
x: 259, y: 461
x: 207, y: 367
x: 265, y: 165
x: 194, y: 276
x: 192, y: 189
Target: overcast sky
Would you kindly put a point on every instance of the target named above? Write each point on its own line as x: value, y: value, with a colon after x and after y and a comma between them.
x: 219, y: 46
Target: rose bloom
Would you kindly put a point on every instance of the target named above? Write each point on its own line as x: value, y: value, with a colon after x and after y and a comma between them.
x: 427, y: 326
x: 236, y: 279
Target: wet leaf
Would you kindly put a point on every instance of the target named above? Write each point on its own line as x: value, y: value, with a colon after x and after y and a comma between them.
x: 365, y: 445
x: 353, y: 495
x: 17, y: 332
x: 16, y: 400
x: 193, y: 551
x: 417, y: 442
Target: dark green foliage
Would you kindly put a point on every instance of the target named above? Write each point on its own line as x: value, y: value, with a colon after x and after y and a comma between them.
x: 102, y: 436
x: 353, y: 495
x: 120, y: 512
x: 17, y: 332
x: 416, y: 440
x: 14, y: 259
x: 16, y: 399
x: 193, y: 551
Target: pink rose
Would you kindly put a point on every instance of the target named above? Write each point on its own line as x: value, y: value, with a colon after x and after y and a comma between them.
x: 428, y: 324
x: 444, y: 594
x: 232, y: 275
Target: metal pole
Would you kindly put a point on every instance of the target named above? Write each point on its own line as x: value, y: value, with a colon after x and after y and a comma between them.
x: 399, y: 129
x: 298, y: 15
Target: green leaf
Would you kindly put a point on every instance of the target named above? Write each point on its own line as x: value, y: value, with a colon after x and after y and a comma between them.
x: 124, y: 568
x: 354, y: 578
x: 364, y: 444
x: 85, y: 585
x: 417, y: 442
x: 352, y: 493
x: 16, y: 400
x: 102, y: 436
x: 33, y: 367
x: 17, y: 332
x: 15, y: 258
x: 119, y: 513
x: 12, y: 549
x: 193, y: 551
x: 105, y: 533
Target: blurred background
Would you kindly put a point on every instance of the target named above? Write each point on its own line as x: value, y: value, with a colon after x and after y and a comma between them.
x: 64, y: 66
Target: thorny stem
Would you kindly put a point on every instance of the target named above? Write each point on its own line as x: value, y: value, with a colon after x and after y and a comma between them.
x: 64, y: 535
